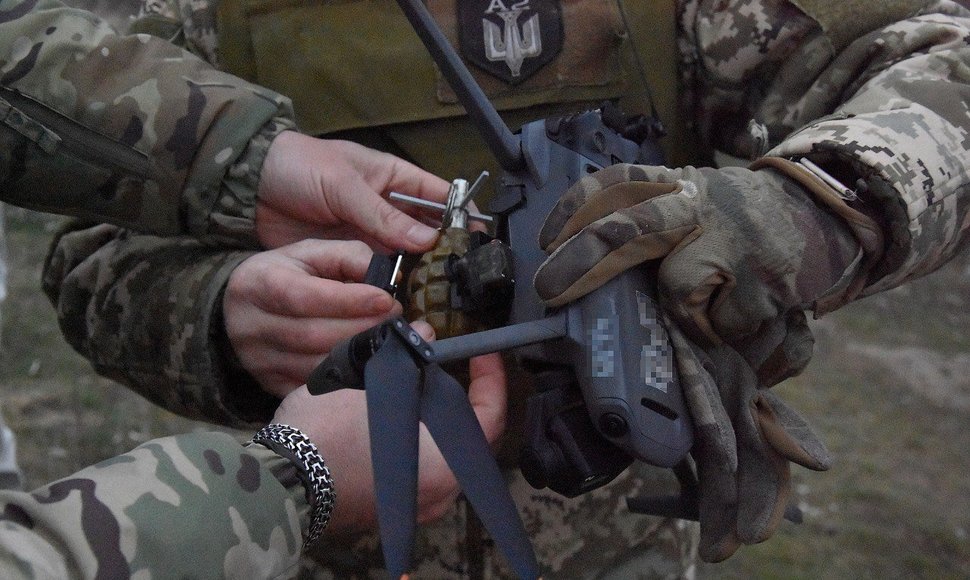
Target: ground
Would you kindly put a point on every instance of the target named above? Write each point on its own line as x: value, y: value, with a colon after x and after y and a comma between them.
x: 889, y: 390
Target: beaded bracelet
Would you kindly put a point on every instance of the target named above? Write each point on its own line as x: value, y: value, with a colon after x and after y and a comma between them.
x: 292, y: 444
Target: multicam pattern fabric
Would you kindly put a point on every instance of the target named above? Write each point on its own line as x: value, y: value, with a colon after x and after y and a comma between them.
x: 90, y: 134
x: 159, y: 280
x: 757, y: 75
x: 723, y: 275
x: 745, y: 439
x: 196, y: 20
x: 142, y: 515
x: 740, y: 289
x: 84, y: 134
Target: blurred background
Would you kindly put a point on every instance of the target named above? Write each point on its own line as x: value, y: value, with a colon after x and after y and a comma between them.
x: 889, y: 390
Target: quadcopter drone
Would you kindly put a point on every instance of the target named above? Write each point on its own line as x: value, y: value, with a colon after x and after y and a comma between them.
x: 607, y: 391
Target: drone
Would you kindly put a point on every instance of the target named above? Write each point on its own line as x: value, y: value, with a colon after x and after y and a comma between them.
x: 608, y: 392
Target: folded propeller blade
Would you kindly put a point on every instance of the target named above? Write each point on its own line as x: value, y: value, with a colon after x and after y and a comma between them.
x: 392, y: 384
x: 450, y: 419
x: 389, y: 362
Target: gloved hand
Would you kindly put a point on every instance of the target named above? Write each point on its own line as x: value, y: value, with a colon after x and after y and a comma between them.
x: 739, y: 249
x: 742, y: 253
x: 745, y: 439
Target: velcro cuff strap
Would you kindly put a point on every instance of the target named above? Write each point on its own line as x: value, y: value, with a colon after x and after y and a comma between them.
x: 866, y: 231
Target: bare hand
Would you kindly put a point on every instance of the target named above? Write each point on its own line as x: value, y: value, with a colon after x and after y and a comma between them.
x: 337, y: 424
x: 286, y: 308
x: 318, y: 188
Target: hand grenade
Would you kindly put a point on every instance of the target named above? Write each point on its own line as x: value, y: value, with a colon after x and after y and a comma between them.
x: 431, y: 287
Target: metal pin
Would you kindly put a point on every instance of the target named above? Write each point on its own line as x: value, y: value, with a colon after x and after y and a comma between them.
x: 473, y: 190
x: 397, y: 270
x: 455, y: 215
x: 843, y: 191
x: 435, y: 205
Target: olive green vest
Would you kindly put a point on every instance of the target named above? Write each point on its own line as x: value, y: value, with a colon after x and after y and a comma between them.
x: 355, y: 69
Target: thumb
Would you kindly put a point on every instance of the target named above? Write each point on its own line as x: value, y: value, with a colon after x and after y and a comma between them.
x: 393, y: 227
x: 597, y: 195
x: 488, y: 393
x: 424, y: 329
x: 612, y: 244
x: 789, y: 434
x: 390, y: 226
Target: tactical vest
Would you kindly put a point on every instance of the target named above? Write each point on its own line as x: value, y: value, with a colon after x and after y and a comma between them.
x: 355, y: 69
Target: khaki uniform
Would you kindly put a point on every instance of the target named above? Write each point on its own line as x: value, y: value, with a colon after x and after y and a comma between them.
x: 879, y: 93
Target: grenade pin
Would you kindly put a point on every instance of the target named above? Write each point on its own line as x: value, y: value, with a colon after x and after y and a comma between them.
x: 454, y: 205
x: 456, y: 216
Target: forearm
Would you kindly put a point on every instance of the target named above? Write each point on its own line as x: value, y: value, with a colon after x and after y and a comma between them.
x: 126, y: 129
x: 200, y: 505
x: 146, y: 311
x: 904, y: 132
x: 884, y: 105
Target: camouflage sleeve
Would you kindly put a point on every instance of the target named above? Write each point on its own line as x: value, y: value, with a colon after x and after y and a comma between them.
x: 146, y: 311
x: 882, y: 99
x: 127, y: 129
x: 189, y: 506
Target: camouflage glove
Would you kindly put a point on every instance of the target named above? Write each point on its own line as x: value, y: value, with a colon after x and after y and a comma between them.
x: 739, y: 249
x: 745, y: 439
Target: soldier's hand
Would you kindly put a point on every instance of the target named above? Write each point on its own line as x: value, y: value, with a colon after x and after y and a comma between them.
x: 284, y: 309
x: 745, y: 439
x: 741, y: 254
x: 331, y: 189
x: 337, y: 424
x: 738, y: 250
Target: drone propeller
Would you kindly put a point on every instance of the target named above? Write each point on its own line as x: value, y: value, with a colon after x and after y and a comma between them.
x: 404, y: 384
x: 392, y: 386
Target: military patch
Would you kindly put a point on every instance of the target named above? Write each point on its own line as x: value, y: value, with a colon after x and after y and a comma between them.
x: 511, y: 39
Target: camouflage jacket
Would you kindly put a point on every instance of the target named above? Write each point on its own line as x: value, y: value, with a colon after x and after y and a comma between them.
x: 169, y: 146
x: 757, y: 76
x: 872, y: 89
x: 145, y: 514
x: 83, y: 135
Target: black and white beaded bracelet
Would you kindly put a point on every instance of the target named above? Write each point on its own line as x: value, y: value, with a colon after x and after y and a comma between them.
x: 292, y: 444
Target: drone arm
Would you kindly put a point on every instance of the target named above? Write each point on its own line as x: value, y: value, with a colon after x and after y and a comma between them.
x: 499, y: 339
x: 499, y: 138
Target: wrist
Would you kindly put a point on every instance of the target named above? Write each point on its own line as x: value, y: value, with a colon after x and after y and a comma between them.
x: 234, y: 217
x: 838, y: 200
x: 243, y: 395
x: 306, y: 465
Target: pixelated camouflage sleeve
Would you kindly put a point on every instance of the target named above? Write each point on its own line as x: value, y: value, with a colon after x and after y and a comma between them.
x: 145, y: 310
x: 888, y: 105
x: 126, y: 129
x: 189, y: 506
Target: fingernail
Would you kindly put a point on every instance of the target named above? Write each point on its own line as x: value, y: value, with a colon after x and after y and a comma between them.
x: 424, y: 329
x: 422, y: 235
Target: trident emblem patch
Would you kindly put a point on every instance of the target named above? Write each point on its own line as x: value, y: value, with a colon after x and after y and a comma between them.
x: 511, y: 39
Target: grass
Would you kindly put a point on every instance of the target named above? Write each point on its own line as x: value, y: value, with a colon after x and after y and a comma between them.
x: 896, y: 504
